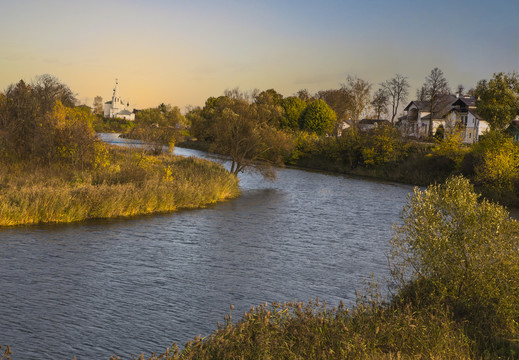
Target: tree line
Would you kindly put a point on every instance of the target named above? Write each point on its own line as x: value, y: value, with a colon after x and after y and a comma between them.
x: 39, y: 122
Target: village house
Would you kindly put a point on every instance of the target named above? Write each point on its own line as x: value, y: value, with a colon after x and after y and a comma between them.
x: 456, y: 112
x: 117, y: 108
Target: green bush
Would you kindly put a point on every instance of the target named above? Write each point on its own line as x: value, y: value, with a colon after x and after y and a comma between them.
x: 454, y: 251
x: 318, y: 117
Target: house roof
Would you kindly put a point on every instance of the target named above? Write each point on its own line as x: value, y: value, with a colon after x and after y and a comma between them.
x: 124, y: 112
x: 473, y: 112
x: 421, y: 105
x: 450, y: 102
x: 467, y: 100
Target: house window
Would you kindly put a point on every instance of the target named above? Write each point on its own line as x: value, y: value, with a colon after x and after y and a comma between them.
x: 464, y: 119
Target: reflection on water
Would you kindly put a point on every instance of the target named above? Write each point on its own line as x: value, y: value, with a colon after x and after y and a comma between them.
x: 137, y: 285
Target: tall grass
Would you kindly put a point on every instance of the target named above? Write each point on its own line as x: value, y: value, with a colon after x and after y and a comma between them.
x: 313, y: 331
x: 130, y: 184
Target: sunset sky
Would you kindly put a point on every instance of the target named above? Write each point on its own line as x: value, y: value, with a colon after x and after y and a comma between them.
x: 181, y: 52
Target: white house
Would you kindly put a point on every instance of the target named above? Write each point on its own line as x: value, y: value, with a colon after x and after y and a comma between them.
x: 117, y: 108
x: 463, y: 115
x: 455, y: 112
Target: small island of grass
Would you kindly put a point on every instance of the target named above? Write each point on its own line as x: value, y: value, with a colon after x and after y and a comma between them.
x: 53, y: 169
x: 131, y: 184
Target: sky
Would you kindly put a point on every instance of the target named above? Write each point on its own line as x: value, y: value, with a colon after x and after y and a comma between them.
x: 181, y: 52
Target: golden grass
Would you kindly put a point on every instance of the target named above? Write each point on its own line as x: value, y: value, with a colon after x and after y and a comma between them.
x: 129, y: 184
x: 312, y: 331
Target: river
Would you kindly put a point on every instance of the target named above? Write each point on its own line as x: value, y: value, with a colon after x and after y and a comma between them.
x: 127, y: 286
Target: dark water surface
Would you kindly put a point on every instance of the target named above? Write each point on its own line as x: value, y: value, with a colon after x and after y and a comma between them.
x: 136, y: 285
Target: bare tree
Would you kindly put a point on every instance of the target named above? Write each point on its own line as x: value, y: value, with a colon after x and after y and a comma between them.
x: 338, y: 99
x: 304, y: 95
x: 380, y: 102
x: 397, y: 90
x: 49, y: 89
x: 359, y: 91
x: 421, y: 94
x: 436, y: 91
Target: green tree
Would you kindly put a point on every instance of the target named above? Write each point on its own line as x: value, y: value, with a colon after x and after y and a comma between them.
x: 72, y: 137
x: 454, y: 251
x: 268, y: 106
x: 449, y: 145
x: 237, y: 130
x: 292, y: 110
x: 318, y: 117
x: 20, y: 121
x: 269, y: 97
x: 158, y: 127
x: 498, y: 99
x: 382, y: 145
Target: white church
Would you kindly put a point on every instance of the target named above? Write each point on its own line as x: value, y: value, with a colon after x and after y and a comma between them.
x: 117, y: 108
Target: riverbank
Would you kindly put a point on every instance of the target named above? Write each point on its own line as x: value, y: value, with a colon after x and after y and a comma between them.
x: 128, y: 183
x: 419, y: 164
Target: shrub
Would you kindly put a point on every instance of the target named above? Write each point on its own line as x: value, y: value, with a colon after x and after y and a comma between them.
x: 453, y: 251
x: 318, y: 117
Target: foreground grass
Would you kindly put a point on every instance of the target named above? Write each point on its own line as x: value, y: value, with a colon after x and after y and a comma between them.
x: 129, y: 184
x: 313, y: 331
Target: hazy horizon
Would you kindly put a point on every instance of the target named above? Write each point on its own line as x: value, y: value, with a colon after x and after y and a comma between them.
x: 183, y: 52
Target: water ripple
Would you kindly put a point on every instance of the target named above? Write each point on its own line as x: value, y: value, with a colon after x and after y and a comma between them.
x: 137, y: 285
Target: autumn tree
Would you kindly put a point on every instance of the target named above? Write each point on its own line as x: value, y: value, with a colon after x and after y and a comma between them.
x: 33, y: 130
x: 237, y: 129
x: 496, y: 164
x: 397, y: 90
x: 158, y: 127
x: 498, y: 99
x: 72, y: 136
x: 436, y: 91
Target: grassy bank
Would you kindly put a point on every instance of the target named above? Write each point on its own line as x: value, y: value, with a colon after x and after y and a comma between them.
x: 131, y: 183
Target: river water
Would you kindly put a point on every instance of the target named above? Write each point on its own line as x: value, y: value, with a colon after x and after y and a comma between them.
x: 128, y: 286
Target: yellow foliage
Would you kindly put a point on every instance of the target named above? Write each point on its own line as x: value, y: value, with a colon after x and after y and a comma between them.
x: 451, y: 148
x: 500, y: 167
x: 168, y: 174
